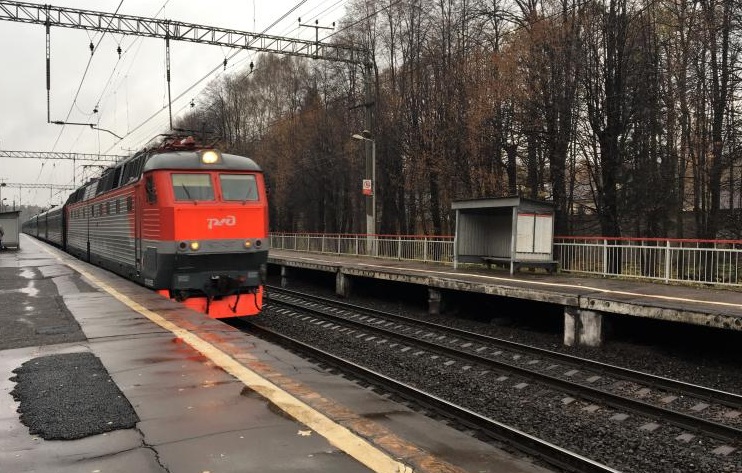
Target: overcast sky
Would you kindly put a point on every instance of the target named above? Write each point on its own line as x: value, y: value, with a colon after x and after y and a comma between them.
x: 126, y: 91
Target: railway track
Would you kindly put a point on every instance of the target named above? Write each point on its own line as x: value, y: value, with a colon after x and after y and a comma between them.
x: 541, y: 365
x: 551, y: 454
x: 580, y: 395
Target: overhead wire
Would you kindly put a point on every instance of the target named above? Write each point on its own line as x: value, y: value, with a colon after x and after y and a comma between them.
x: 149, y: 119
x: 207, y: 75
x: 105, y: 88
x: 82, y: 81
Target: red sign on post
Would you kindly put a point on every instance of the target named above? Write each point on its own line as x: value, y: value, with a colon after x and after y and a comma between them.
x: 367, y: 187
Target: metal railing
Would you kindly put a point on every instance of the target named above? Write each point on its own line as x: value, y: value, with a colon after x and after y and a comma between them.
x: 717, y: 262
x: 676, y: 260
x: 399, y: 247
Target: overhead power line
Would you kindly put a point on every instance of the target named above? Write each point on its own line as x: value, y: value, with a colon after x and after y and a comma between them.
x: 58, y: 155
x: 178, y: 31
x: 36, y: 185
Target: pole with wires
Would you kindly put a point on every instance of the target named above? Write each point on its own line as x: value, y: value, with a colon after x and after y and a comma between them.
x: 48, y: 68
x: 167, y: 66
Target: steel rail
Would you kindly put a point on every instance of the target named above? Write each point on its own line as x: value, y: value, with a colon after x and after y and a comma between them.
x: 546, y: 451
x: 729, y: 399
x: 685, y: 421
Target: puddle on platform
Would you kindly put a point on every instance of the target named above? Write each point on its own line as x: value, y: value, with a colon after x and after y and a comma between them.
x: 30, y: 289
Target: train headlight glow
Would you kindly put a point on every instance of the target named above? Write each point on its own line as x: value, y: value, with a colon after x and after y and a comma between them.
x: 195, y: 245
x: 248, y: 244
x: 210, y: 157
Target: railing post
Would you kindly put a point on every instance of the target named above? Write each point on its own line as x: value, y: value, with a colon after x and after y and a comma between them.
x: 399, y: 248
x: 605, y: 257
x: 425, y: 249
x: 667, y: 261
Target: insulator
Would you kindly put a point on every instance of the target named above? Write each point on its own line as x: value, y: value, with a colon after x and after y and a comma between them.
x: 225, y: 64
x: 118, y: 50
x: 91, y: 48
x: 251, y: 66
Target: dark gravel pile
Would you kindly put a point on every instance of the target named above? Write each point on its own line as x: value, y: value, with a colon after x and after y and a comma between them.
x: 66, y: 397
x: 543, y: 412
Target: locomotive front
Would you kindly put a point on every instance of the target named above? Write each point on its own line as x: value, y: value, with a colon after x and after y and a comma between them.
x: 204, y: 230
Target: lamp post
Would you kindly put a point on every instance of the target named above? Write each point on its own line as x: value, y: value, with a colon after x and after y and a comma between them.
x: 370, y: 172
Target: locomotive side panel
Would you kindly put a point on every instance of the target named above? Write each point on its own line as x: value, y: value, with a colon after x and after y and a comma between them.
x: 77, y: 230
x: 112, y: 240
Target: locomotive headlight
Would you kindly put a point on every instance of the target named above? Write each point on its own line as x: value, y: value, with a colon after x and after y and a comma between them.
x: 248, y: 244
x: 195, y: 245
x: 210, y: 157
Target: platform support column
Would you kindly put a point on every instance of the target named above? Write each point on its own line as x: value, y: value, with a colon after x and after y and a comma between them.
x: 342, y: 284
x: 434, y: 301
x: 582, y: 327
x: 285, y: 273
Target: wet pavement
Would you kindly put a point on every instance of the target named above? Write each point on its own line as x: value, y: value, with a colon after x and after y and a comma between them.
x: 208, y: 397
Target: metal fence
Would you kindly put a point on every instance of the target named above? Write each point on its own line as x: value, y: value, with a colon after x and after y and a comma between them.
x: 678, y: 260
x: 398, y: 247
x: 716, y: 262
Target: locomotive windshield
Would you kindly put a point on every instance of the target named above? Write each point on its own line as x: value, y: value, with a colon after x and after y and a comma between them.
x: 241, y: 187
x: 192, y: 187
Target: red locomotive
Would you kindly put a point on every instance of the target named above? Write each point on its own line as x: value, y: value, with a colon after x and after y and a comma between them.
x: 186, y: 220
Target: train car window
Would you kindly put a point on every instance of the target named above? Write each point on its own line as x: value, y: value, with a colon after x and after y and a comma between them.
x: 116, y: 176
x: 192, y: 187
x: 90, y: 190
x: 149, y: 186
x: 132, y: 169
x: 242, y: 187
x: 118, y: 206
x: 108, y: 207
x: 129, y: 204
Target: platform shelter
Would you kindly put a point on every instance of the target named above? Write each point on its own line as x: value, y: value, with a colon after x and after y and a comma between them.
x: 510, y: 231
x: 10, y: 221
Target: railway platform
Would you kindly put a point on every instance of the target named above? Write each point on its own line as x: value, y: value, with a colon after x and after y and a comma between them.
x: 98, y: 374
x: 585, y: 301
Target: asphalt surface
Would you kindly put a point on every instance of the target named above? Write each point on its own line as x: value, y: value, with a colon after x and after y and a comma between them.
x: 32, y: 312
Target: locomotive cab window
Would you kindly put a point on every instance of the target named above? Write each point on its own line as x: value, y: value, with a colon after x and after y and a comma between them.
x: 242, y: 187
x: 192, y: 187
x: 149, y: 187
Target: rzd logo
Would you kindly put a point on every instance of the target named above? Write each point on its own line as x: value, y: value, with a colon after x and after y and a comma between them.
x: 229, y: 221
